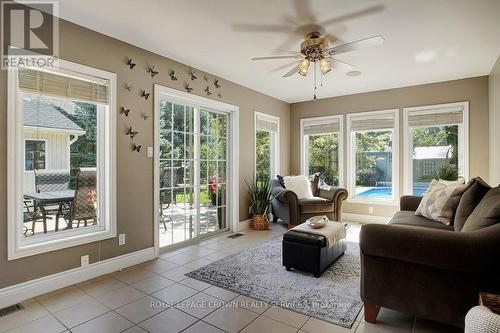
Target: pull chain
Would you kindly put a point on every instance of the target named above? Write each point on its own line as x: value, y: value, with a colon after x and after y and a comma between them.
x: 314, y: 98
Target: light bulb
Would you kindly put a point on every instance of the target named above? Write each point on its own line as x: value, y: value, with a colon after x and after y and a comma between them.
x: 304, y: 66
x: 325, y: 66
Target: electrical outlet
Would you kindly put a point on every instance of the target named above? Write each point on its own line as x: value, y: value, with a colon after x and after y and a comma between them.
x: 150, y: 151
x: 84, y: 260
x: 370, y: 210
x: 121, y: 239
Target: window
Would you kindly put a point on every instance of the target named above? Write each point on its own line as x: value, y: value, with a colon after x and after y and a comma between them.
x: 373, y: 156
x: 322, y: 148
x: 266, y: 145
x: 67, y: 198
x: 35, y: 154
x: 436, y: 144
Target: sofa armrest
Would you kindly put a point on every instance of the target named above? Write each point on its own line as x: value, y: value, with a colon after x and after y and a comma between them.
x: 474, y: 252
x: 285, y: 196
x: 409, y: 202
x: 336, y: 195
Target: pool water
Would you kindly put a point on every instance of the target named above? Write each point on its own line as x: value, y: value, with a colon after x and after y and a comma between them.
x: 386, y: 192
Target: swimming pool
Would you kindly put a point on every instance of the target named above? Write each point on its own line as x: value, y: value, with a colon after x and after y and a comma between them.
x: 386, y: 192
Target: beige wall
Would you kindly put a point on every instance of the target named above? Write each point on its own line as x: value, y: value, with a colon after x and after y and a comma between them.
x: 135, y: 170
x: 494, y: 84
x: 474, y: 90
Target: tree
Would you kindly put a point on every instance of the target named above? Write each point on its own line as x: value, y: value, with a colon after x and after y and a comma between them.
x: 323, y: 157
x: 263, y: 154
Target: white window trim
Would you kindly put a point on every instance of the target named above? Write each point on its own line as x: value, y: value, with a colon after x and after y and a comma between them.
x: 275, y: 144
x: 46, y: 152
x: 408, y: 153
x: 304, y: 147
x: 351, y: 160
x: 17, y: 245
x: 162, y: 92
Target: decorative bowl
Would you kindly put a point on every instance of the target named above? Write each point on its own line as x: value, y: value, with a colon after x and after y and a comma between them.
x: 317, y: 222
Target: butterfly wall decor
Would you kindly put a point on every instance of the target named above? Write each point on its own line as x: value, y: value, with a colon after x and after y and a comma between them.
x: 125, y: 111
x: 188, y: 88
x: 136, y: 148
x: 130, y: 63
x: 145, y: 94
x: 128, y: 86
x: 219, y: 95
x: 152, y: 71
x: 131, y: 132
x: 207, y: 90
x: 216, y: 83
x: 192, y: 75
x: 172, y: 75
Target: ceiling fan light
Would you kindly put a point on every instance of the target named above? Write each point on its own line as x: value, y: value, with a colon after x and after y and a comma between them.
x: 304, y: 66
x: 325, y: 66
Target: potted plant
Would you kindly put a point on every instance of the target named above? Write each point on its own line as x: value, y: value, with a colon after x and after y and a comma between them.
x: 259, y: 193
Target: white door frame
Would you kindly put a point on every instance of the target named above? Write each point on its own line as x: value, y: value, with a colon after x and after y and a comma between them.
x: 162, y: 92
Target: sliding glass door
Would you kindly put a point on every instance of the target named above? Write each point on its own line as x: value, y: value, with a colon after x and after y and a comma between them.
x: 192, y: 172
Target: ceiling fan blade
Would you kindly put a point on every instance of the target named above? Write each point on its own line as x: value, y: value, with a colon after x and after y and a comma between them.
x: 350, y: 16
x: 290, y: 42
x: 262, y: 28
x: 343, y: 66
x: 292, y: 71
x: 276, y: 57
x: 304, y: 11
x: 352, y: 46
x: 284, y: 66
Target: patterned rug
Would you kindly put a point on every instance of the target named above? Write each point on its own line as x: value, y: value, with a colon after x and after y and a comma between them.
x: 258, y: 273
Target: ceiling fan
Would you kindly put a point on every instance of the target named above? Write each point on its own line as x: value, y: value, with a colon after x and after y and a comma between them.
x: 316, y: 48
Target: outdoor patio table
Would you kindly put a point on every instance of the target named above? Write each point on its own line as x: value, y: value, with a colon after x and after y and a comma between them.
x: 52, y: 197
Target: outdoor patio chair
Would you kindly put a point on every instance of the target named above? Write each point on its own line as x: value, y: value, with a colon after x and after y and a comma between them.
x: 31, y: 214
x: 51, y: 181
x: 83, y: 207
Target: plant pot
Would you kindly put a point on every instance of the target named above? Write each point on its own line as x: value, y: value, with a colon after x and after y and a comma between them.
x: 259, y: 222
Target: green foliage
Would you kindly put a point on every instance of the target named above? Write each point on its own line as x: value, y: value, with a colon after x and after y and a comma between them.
x: 447, y: 172
x: 323, y: 157
x: 263, y: 154
x: 373, y: 141
x: 259, y: 192
x: 366, y: 177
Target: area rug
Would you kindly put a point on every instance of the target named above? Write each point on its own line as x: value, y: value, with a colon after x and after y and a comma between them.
x: 258, y: 273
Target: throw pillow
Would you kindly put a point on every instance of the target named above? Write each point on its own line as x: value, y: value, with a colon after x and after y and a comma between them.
x: 470, y: 199
x: 440, y: 202
x: 315, y: 183
x: 300, y: 185
x: 486, y: 213
x: 280, y: 180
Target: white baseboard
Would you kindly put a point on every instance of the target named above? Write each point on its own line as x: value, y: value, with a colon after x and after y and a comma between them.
x: 22, y: 291
x: 361, y: 218
x: 242, y: 226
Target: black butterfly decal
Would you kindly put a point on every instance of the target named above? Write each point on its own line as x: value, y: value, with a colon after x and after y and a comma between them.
x: 136, y: 148
x: 219, y: 95
x: 131, y: 132
x: 128, y: 87
x: 216, y: 83
x: 125, y: 111
x: 207, y: 90
x: 145, y: 94
x: 130, y: 63
x: 188, y: 88
x: 145, y: 116
x: 172, y: 75
x: 192, y: 75
x: 152, y: 71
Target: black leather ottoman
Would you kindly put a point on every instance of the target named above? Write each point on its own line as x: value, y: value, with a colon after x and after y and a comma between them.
x: 308, y: 252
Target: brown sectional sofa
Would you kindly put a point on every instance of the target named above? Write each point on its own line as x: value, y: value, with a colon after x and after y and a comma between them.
x: 426, y: 268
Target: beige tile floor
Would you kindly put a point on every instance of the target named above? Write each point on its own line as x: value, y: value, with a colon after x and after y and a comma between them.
x: 157, y: 297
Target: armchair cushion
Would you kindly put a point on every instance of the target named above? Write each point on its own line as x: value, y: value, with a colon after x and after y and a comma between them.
x: 408, y: 218
x: 300, y: 185
x: 470, y: 199
x: 315, y: 205
x: 409, y: 202
x: 486, y: 213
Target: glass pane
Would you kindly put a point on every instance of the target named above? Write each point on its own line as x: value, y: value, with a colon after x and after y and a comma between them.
x: 221, y: 149
x: 179, y: 148
x: 435, y: 155
x: 263, y: 154
x: 204, y: 128
x: 204, y: 147
x: 179, y: 118
x: 374, y: 164
x: 189, y: 127
x: 212, y: 222
x: 189, y: 146
x: 165, y: 115
x: 212, y: 148
x: 165, y: 173
x: 34, y: 155
x: 323, y: 157
x: 221, y: 217
x: 178, y: 173
x: 221, y: 195
x: 221, y: 170
x: 203, y: 172
x: 212, y: 171
x: 165, y: 198
x: 189, y: 173
x: 222, y: 125
x: 165, y: 144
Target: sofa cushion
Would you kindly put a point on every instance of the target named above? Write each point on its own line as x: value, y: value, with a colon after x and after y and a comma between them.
x: 315, y: 205
x: 408, y: 218
x: 486, y: 213
x: 470, y: 199
x: 440, y: 202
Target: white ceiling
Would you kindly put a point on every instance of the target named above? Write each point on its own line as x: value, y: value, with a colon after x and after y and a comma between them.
x: 425, y: 40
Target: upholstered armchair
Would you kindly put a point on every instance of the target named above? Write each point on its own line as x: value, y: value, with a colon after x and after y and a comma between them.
x: 287, y: 207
